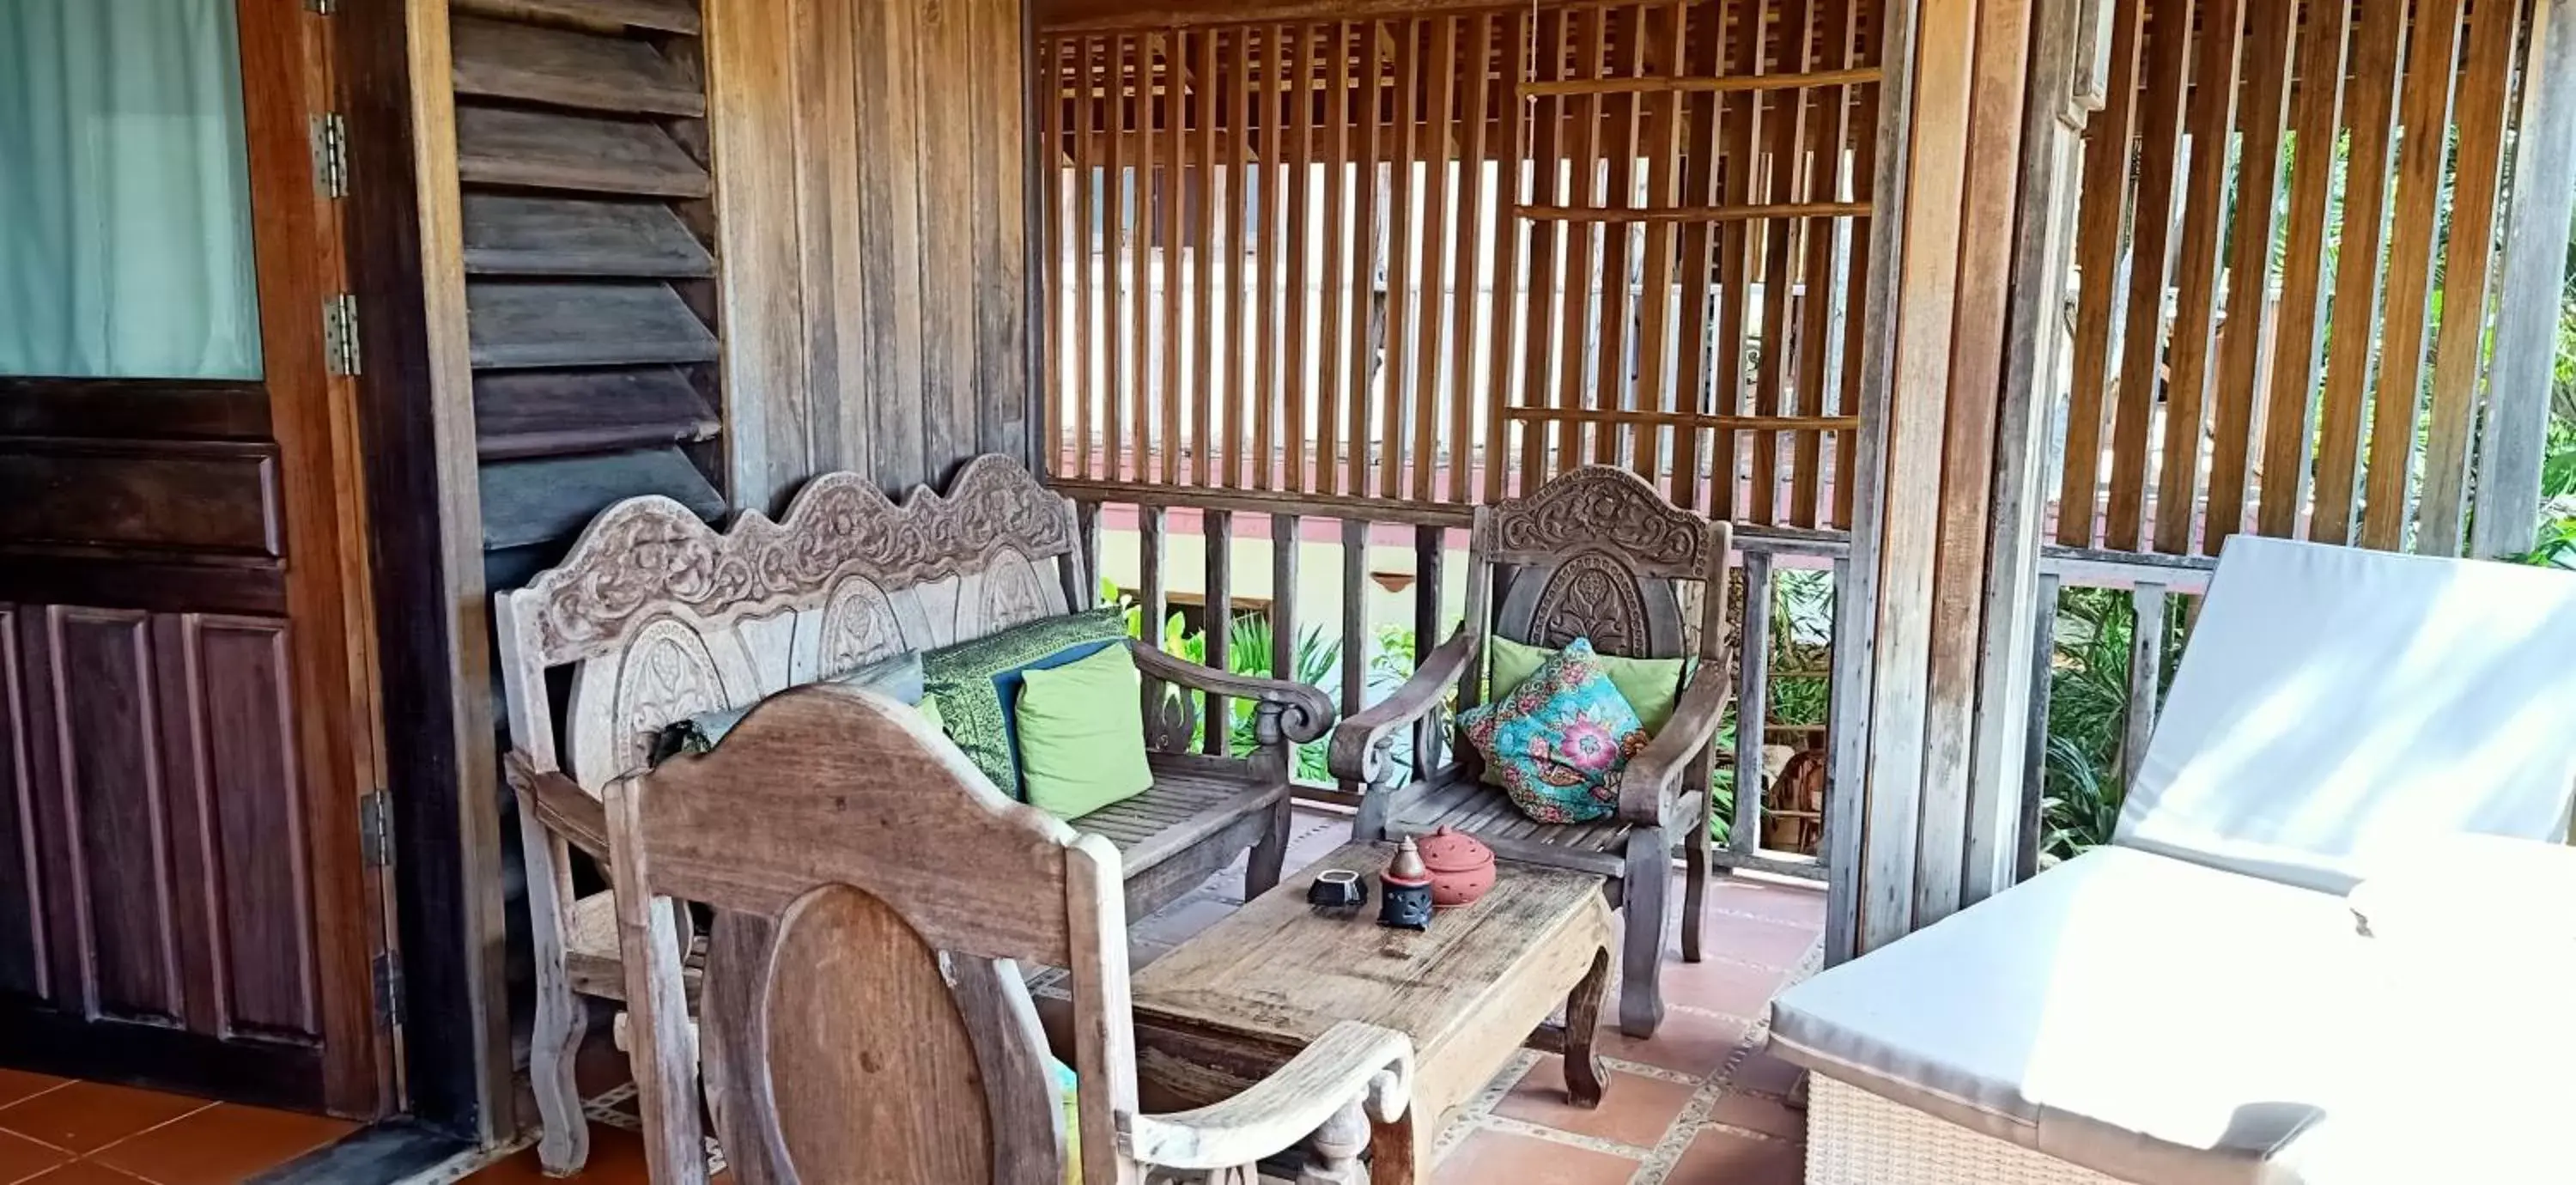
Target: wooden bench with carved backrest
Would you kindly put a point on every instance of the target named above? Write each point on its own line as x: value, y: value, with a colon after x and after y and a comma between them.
x: 660, y: 618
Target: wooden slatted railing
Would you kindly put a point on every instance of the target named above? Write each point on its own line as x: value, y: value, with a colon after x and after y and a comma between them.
x: 1440, y: 257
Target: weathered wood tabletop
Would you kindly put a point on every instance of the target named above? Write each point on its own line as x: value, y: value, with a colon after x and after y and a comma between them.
x: 1244, y: 995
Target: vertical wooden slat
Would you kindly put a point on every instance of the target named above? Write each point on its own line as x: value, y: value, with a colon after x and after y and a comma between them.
x: 2290, y: 410
x: 1402, y: 222
x: 1788, y: 132
x: 1283, y: 596
x: 1581, y: 283
x: 1856, y: 330
x: 1743, y: 119
x: 1439, y: 83
x: 1101, y: 249
x: 2425, y: 113
x: 2146, y: 677
x: 1663, y: 151
x: 1242, y: 322
x: 1219, y: 530
x: 2043, y: 663
x: 1086, y: 535
x: 1137, y: 80
x: 1752, y: 700
x: 1204, y: 84
x: 1830, y: 131
x: 1298, y: 93
x: 1269, y: 207
x: 1365, y: 256
x: 1116, y: 258
x: 1547, y: 248
x: 2530, y: 279
x: 2211, y: 118
x: 1476, y: 107
x: 1167, y: 436
x: 1355, y: 639
x: 1618, y: 239
x: 2097, y: 262
x: 1700, y: 181
x: 1052, y: 153
x: 1153, y: 602
x: 1334, y: 364
x: 1505, y: 321
x: 2150, y: 234
x: 2244, y: 345
x: 2485, y: 87
x: 2370, y: 122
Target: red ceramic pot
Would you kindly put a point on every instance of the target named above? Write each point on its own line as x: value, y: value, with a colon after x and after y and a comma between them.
x: 1462, y: 867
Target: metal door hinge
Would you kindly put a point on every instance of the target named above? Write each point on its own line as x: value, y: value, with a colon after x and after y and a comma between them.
x: 389, y: 990
x: 331, y: 154
x: 340, y: 333
x: 376, y: 829
x: 322, y: 7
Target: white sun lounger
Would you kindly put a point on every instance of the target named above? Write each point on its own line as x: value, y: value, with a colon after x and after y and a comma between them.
x: 2196, y: 1004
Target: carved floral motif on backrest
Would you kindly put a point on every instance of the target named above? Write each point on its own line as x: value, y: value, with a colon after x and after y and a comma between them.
x: 1595, y: 554
x: 666, y: 617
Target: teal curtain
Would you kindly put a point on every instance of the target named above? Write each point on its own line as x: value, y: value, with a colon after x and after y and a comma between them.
x: 125, y: 231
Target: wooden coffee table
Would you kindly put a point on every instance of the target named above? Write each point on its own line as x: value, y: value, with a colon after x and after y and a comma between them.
x: 1245, y: 995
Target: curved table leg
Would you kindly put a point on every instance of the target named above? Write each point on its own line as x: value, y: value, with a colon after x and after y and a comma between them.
x: 1582, y: 1030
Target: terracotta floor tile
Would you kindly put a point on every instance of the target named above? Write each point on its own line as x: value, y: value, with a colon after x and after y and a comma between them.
x: 616, y: 1158
x: 21, y: 1158
x: 1720, y: 1157
x: 1689, y: 1042
x: 83, y: 1172
x: 1635, y: 1110
x: 19, y: 1085
x: 1780, y: 903
x: 1760, y: 1113
x: 1490, y: 1158
x: 86, y: 1116
x: 221, y: 1144
x: 1753, y: 940
x: 1720, y: 984
x: 1763, y: 1071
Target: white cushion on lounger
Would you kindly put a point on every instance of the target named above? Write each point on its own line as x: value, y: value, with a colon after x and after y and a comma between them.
x: 2139, y: 1015
x: 2336, y: 708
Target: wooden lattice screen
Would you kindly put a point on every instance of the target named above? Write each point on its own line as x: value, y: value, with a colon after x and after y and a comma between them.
x: 1454, y: 253
x: 2324, y: 200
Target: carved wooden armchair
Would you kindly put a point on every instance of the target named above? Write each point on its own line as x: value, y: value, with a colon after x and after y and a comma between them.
x: 1598, y: 554
x: 657, y: 617
x: 864, y: 1016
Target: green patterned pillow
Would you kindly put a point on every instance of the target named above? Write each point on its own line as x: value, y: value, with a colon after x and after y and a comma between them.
x: 977, y: 683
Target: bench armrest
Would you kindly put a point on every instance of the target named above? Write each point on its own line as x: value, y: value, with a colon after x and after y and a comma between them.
x: 1352, y: 1067
x: 1284, y: 711
x: 1652, y: 776
x: 1357, y: 752
x: 560, y: 803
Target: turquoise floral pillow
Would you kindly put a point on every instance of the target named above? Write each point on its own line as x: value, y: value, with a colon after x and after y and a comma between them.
x: 1558, y: 741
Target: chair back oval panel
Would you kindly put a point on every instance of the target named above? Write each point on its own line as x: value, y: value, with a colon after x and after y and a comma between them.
x: 1592, y: 594
x: 1596, y: 553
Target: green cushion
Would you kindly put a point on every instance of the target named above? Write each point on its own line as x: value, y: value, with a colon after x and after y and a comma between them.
x: 1650, y: 685
x: 977, y: 683
x: 1082, y: 734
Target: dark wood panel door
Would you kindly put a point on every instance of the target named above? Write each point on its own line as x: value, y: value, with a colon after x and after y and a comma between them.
x: 187, y: 736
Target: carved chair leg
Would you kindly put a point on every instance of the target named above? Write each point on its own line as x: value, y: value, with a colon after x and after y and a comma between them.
x: 1648, y: 887
x: 1583, y: 1076
x: 561, y: 1018
x: 1261, y: 870
x: 1695, y: 864
x: 1333, y: 1155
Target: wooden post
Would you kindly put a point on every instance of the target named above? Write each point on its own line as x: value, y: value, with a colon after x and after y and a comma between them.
x: 1155, y: 592
x: 1283, y: 596
x: 1427, y: 571
x: 2146, y: 676
x: 1355, y: 639
x: 1752, y: 701
x: 2535, y: 260
x: 1086, y: 532
x: 2018, y: 600
x: 1220, y: 624
x: 2034, y: 775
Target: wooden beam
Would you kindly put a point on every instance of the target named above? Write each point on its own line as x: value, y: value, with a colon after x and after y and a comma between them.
x: 1752, y: 701
x: 2535, y: 258
x: 2146, y: 677
x: 2486, y: 90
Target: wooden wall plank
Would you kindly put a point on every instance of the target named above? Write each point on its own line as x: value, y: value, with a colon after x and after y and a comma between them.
x: 2210, y: 121
x: 945, y: 198
x: 1856, y: 332
x: 1788, y: 131
x: 2370, y: 123
x: 1475, y: 208
x: 1270, y: 206
x: 1088, y: 307
x: 2244, y: 342
x: 1403, y: 230
x: 1206, y: 82
x: 1440, y: 84
x: 1333, y: 365
x: 1591, y: 40
x: 1507, y: 324
x: 1549, y: 246
x: 1141, y: 235
x: 1619, y: 240
x: 1244, y: 335
x: 2485, y: 91
x: 2424, y: 112
x: 2531, y: 282
x: 2168, y: 60
x: 1367, y: 254
x: 1830, y: 130
x: 1170, y: 339
x: 1118, y: 256
x: 1667, y: 33
x: 1701, y: 177
x: 2107, y: 149
x: 1299, y: 193
x: 1741, y: 115
x: 2290, y: 412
